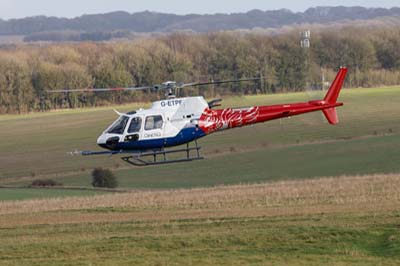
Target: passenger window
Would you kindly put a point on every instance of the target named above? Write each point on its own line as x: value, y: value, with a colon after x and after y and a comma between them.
x: 135, y: 125
x: 153, y: 122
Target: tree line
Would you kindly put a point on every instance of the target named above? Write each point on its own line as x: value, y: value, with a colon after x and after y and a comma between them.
x: 28, y: 71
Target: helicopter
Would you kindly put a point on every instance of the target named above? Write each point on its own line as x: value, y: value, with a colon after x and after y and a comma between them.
x: 149, y: 136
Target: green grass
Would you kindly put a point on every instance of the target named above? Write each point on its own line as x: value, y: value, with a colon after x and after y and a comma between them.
x: 29, y: 193
x: 291, y: 240
x: 37, y: 144
x: 351, y: 157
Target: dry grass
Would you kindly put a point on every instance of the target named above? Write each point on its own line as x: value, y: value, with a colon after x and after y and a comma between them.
x: 375, y: 190
x: 329, y: 221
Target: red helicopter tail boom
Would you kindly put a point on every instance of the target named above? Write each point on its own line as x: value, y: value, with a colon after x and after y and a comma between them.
x: 217, y: 120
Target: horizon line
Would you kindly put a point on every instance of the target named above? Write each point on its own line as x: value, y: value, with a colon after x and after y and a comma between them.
x: 187, y: 14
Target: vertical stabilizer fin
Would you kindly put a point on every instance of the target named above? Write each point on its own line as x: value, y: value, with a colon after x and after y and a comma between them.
x: 333, y: 92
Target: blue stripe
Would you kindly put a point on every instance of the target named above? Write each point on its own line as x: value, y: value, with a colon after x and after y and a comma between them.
x: 184, y: 136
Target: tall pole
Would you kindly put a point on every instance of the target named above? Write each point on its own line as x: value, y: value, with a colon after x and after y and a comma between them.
x: 305, y: 44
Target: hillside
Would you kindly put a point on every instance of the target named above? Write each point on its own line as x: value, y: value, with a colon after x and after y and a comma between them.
x: 160, y: 22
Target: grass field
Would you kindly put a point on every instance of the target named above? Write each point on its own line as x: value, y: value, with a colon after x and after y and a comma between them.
x: 272, y: 209
x: 366, y: 141
x: 328, y: 221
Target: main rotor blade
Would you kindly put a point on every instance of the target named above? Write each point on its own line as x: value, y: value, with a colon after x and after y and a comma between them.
x: 216, y: 82
x: 180, y: 86
x: 101, y: 89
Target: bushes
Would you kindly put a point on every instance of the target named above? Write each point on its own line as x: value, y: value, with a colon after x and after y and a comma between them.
x: 26, y: 71
x: 103, y: 178
x: 46, y: 183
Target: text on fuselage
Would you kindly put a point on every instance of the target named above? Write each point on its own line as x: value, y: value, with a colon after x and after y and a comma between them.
x: 171, y: 103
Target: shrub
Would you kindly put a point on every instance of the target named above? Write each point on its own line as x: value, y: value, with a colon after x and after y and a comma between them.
x: 45, y: 183
x: 103, y: 178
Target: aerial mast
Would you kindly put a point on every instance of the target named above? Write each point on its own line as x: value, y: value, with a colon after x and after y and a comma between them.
x: 305, y: 44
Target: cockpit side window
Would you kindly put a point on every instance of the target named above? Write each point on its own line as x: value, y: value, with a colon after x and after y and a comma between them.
x: 136, y: 124
x: 153, y: 122
x: 119, y: 126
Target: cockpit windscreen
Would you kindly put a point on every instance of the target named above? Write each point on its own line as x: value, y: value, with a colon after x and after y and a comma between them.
x: 119, y: 126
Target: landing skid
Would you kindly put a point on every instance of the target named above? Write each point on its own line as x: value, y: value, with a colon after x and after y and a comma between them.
x: 153, y: 157
x: 147, y: 158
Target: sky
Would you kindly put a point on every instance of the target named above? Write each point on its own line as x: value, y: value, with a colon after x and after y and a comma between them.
x: 72, y: 8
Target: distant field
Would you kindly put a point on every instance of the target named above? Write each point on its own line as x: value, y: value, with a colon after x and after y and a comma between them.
x: 366, y: 141
x: 11, y: 39
x: 328, y: 221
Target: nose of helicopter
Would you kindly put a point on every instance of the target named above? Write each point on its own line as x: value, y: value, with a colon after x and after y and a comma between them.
x: 107, y: 142
x: 102, y: 141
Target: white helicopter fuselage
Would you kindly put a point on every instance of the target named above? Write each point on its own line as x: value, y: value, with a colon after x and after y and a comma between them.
x: 167, y: 123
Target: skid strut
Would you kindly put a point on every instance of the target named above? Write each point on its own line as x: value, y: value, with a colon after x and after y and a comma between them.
x: 153, y: 157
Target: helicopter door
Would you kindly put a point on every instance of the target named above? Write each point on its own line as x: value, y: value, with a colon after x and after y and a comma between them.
x: 153, y: 127
x: 134, y: 129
